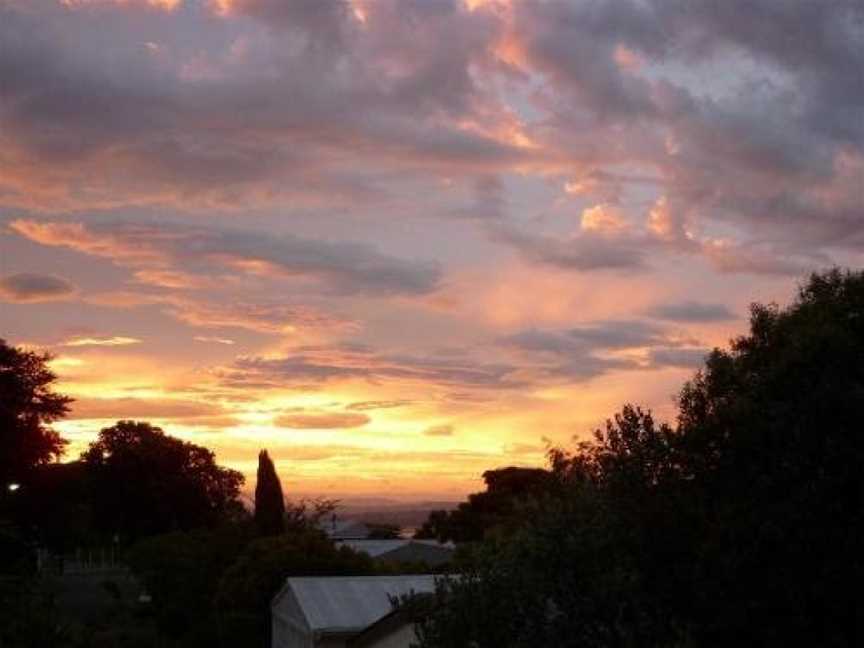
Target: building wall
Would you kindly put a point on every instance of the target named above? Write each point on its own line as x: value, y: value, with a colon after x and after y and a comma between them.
x: 288, y: 635
x: 289, y: 628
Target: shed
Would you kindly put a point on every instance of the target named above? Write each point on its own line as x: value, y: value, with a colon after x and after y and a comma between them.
x: 327, y: 611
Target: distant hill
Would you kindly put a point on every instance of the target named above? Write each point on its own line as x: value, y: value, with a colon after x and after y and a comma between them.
x: 404, y: 515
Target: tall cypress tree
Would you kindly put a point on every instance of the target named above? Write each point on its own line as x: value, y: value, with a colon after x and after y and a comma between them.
x: 269, y: 502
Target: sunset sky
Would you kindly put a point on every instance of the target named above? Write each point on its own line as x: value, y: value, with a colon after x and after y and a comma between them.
x: 400, y: 242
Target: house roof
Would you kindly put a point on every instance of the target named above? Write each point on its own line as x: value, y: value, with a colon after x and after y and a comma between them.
x: 338, y: 604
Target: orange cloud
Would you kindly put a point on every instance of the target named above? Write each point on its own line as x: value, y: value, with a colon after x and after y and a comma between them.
x: 627, y: 59
x: 603, y: 219
x: 663, y: 223
x: 102, y: 244
x: 130, y: 408
x: 215, y: 340
x: 321, y: 420
x: 439, y: 430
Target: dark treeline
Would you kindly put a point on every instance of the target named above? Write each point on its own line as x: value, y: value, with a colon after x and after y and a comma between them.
x: 163, y: 515
x: 739, y: 524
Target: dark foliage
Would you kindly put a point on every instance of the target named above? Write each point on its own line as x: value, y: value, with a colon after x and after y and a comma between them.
x: 773, y: 451
x: 146, y: 482
x: 306, y: 514
x: 382, y: 531
x: 181, y: 571
x: 249, y: 585
x: 490, y: 509
x: 269, y: 500
x: 54, y: 503
x: 739, y: 527
x: 28, y: 406
x: 200, y: 580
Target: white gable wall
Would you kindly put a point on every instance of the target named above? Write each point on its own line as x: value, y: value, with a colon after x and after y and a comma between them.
x: 289, y: 626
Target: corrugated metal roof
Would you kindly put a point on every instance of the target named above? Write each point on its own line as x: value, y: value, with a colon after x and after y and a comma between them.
x: 351, y: 603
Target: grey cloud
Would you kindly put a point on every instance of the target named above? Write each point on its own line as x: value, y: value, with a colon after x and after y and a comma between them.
x: 584, y: 252
x: 573, y: 43
x: 587, y: 351
x: 323, y: 22
x: 630, y: 251
x: 347, y: 268
x: 310, y: 368
x: 619, y: 334
x: 756, y: 259
x: 584, y: 368
x: 691, y: 311
x: 291, y: 100
x: 818, y: 42
x: 768, y: 177
x: 558, y: 356
x: 606, y: 335
x: 26, y: 287
x: 489, y: 202
x: 543, y: 341
x: 82, y: 88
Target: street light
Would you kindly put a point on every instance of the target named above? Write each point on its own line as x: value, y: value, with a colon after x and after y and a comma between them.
x: 13, y: 487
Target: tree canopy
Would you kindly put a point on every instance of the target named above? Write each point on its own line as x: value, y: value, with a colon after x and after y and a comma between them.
x: 489, y: 509
x: 146, y: 482
x: 740, y: 525
x: 28, y: 406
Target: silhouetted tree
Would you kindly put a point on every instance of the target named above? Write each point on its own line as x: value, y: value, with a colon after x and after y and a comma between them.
x: 487, y: 510
x: 183, y: 570
x: 55, y: 503
x: 28, y: 406
x: 146, y: 482
x: 741, y: 526
x: 567, y: 571
x: 306, y: 514
x: 382, y: 530
x: 269, y: 501
x: 772, y: 444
